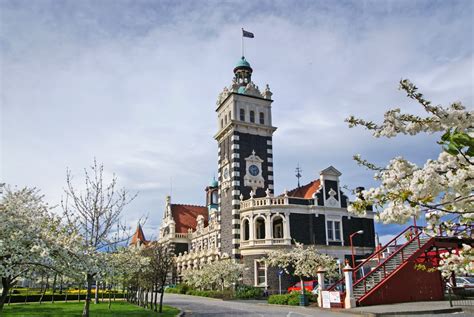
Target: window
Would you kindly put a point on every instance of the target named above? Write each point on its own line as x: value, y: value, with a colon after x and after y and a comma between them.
x: 278, y: 228
x: 260, y: 228
x: 222, y: 123
x: 262, y: 118
x: 252, y: 116
x: 214, y: 197
x: 334, y: 230
x: 260, y: 273
x: 242, y: 115
x: 225, y: 119
x: 245, y: 225
x: 230, y: 115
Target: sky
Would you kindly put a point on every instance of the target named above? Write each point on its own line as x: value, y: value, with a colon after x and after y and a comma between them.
x: 134, y: 84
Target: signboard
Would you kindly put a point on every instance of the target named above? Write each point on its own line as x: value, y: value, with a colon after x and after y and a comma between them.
x: 334, y: 297
x: 326, y: 299
x: 280, y: 273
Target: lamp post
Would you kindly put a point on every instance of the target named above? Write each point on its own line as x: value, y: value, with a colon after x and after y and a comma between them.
x: 352, y: 246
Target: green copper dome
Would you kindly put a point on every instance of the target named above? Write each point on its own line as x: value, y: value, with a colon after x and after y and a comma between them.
x: 242, y: 63
x: 213, y: 183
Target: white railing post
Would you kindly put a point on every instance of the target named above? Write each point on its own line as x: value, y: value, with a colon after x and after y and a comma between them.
x: 349, y: 301
x: 321, y: 286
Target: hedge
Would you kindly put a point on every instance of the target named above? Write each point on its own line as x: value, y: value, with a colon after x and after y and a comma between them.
x: 15, y: 298
x: 292, y: 298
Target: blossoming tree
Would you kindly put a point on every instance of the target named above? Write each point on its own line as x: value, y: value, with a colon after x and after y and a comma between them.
x: 304, y: 261
x: 31, y: 237
x: 442, y: 189
x: 220, y: 274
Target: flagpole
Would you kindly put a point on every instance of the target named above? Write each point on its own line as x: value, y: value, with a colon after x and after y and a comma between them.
x: 242, y: 45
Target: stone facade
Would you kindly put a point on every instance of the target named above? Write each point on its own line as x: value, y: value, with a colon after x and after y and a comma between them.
x: 243, y: 218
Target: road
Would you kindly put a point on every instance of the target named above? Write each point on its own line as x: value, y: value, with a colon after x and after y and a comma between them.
x: 201, y: 306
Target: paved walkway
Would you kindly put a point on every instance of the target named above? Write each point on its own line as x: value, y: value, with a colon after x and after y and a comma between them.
x: 202, y: 306
x: 440, y: 308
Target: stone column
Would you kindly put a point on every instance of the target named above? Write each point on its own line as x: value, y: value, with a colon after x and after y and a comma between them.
x: 321, y: 286
x: 251, y: 229
x: 268, y: 229
x: 286, y: 227
x: 349, y: 301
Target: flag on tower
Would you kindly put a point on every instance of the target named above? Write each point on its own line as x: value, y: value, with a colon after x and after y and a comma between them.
x: 247, y: 34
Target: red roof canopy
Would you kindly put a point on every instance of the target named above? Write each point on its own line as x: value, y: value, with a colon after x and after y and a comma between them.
x: 306, y: 191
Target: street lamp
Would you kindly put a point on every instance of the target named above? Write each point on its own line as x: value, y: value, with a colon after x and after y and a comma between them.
x: 352, y: 246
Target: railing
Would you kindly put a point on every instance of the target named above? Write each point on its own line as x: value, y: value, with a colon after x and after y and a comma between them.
x: 359, y: 270
x: 266, y: 201
x: 382, y: 267
x: 272, y: 241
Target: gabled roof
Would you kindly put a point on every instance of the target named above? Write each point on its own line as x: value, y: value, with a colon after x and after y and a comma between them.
x: 185, y: 216
x: 331, y: 170
x: 139, y: 237
x: 306, y: 191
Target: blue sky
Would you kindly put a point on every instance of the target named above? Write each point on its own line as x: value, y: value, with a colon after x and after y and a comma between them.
x: 134, y: 84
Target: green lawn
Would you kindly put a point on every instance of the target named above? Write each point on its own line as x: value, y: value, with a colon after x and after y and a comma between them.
x: 118, y: 309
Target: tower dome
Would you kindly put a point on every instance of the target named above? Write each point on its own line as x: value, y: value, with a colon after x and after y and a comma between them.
x: 243, y: 72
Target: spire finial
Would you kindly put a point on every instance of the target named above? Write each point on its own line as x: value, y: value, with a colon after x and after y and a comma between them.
x: 298, y: 173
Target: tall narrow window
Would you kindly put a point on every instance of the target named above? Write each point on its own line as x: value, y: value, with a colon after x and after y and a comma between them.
x: 277, y: 228
x: 260, y: 273
x: 246, y: 230
x: 230, y: 115
x: 242, y: 115
x: 225, y: 119
x: 252, y: 116
x: 262, y: 118
x: 333, y: 230
x: 222, y: 123
x: 260, y: 228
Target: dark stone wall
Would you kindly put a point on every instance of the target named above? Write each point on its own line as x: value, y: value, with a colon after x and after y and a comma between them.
x: 180, y: 248
x: 308, y: 229
x: 272, y: 275
x: 354, y: 224
x: 257, y: 143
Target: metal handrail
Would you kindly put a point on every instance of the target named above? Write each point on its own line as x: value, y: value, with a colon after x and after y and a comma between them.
x: 376, y: 253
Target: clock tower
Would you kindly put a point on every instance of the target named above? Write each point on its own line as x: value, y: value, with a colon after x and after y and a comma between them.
x: 245, y: 156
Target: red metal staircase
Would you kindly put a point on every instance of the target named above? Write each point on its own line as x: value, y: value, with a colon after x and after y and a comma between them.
x: 387, y: 275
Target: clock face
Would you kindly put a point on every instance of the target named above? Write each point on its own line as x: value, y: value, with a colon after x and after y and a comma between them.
x: 253, y: 170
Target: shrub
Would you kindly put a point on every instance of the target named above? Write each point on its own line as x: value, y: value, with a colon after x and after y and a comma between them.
x: 248, y: 292
x: 278, y: 299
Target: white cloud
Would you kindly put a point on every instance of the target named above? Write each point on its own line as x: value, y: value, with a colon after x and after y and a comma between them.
x: 135, y: 84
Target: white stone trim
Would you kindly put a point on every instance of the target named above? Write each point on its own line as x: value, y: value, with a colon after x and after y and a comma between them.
x: 235, y: 202
x: 236, y: 183
x: 270, y: 177
x: 235, y: 192
x: 234, y: 137
x: 235, y: 155
x: 269, y: 142
x: 269, y: 151
x: 235, y: 147
x: 270, y: 160
x: 270, y: 168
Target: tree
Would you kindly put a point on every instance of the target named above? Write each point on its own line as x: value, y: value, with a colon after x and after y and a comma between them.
x: 95, y: 212
x: 220, y: 274
x: 304, y: 261
x: 31, y: 237
x: 442, y: 189
x: 160, y: 266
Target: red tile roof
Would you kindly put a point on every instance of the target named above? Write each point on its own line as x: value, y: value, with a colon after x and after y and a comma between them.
x: 139, y: 236
x: 185, y: 216
x: 306, y: 191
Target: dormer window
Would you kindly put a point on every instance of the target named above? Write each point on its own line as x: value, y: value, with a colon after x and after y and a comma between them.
x: 242, y: 115
x: 252, y: 116
x: 262, y: 118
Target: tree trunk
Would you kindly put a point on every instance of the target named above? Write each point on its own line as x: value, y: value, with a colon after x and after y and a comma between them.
x: 26, y: 297
x: 42, y: 295
x: 6, y: 287
x: 54, y: 288
x: 156, y: 298
x: 85, y: 311
x: 96, y: 297
x: 65, y: 294
x: 79, y: 293
x: 161, y: 299
x: 110, y: 297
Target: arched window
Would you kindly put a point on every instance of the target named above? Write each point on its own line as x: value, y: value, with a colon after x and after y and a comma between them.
x: 214, y: 197
x: 260, y: 228
x: 252, y: 116
x: 230, y: 115
x: 242, y: 114
x: 222, y: 123
x: 277, y: 227
x: 246, y: 227
x: 225, y: 119
x: 262, y: 118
